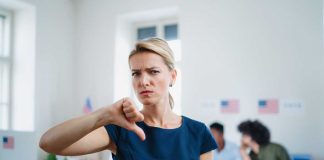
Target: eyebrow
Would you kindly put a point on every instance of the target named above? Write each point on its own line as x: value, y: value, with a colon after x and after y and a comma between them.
x: 134, y: 70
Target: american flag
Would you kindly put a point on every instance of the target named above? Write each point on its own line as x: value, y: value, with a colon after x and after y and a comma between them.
x: 8, y: 142
x: 230, y: 106
x: 87, y: 107
x: 268, y: 106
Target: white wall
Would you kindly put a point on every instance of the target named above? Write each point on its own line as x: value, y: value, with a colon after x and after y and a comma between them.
x: 54, y: 63
x: 23, y: 69
x: 55, y: 73
x: 322, y: 74
x: 252, y: 50
x: 94, y: 47
x: 242, y: 49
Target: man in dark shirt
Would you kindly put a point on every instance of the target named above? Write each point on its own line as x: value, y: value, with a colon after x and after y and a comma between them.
x: 257, y: 137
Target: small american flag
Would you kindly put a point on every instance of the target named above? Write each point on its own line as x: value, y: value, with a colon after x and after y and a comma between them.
x: 8, y: 142
x: 87, y: 107
x: 230, y: 106
x: 268, y: 106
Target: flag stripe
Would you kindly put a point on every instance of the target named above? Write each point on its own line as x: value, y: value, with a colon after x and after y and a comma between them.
x: 8, y: 142
x: 268, y: 106
x: 88, y: 107
x: 230, y: 106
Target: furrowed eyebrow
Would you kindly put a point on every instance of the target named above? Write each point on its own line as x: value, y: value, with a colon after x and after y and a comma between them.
x: 152, y: 68
x: 136, y: 70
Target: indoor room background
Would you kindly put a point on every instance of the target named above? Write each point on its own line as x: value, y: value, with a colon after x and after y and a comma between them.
x: 59, y: 56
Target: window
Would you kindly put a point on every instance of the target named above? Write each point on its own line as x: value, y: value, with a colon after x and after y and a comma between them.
x: 146, y: 32
x: 5, y: 70
x: 168, y: 30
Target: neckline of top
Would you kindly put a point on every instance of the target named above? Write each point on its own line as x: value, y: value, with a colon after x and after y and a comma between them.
x: 166, y: 129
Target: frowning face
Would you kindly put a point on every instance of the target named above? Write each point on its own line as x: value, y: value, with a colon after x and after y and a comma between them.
x: 151, y: 77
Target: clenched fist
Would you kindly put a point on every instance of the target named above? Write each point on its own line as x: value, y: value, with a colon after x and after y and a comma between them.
x: 125, y: 114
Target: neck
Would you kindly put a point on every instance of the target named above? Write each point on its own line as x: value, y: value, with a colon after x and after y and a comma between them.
x: 221, y: 145
x: 160, y: 115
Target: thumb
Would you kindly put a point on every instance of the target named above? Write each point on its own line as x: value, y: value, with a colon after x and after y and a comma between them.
x: 139, y: 131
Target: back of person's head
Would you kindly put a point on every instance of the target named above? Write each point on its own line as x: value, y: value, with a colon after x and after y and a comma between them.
x: 217, y: 126
x: 258, y: 132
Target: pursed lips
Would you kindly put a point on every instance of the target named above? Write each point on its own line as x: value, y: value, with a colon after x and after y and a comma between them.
x: 146, y: 92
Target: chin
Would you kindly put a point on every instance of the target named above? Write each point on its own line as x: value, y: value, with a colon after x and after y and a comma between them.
x: 147, y: 101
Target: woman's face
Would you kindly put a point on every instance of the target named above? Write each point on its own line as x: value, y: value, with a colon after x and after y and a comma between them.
x: 150, y: 77
x: 247, y: 140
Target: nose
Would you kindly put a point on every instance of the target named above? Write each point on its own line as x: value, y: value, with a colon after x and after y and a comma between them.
x: 145, y: 80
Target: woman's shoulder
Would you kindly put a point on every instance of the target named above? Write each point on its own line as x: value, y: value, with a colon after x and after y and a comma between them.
x: 276, y: 146
x: 273, y: 145
x: 193, y: 124
x: 200, y: 133
x: 192, y: 121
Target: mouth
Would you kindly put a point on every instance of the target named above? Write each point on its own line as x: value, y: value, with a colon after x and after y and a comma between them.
x: 146, y: 92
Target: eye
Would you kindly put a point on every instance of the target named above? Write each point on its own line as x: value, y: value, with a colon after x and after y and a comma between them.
x: 155, y: 72
x: 134, y: 74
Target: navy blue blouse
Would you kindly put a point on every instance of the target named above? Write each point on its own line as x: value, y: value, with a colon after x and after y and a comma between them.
x: 186, y: 142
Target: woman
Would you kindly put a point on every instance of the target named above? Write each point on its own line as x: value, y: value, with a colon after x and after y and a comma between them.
x: 152, y: 133
x: 256, y: 137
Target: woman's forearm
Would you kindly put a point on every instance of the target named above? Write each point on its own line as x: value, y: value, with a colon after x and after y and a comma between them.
x: 244, y: 155
x: 65, y: 134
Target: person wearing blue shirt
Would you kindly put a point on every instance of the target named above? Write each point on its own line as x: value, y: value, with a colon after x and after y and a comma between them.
x: 188, y: 141
x: 153, y: 133
x: 226, y: 150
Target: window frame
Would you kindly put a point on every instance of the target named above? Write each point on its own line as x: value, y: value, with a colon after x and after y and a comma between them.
x: 8, y: 60
x: 159, y: 24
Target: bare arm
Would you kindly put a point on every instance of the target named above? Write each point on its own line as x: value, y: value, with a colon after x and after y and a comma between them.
x: 243, y: 153
x: 86, y: 134
x: 207, y: 156
x: 78, y: 136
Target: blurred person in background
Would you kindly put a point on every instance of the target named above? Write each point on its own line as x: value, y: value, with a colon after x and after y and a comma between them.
x: 226, y: 150
x: 256, y: 138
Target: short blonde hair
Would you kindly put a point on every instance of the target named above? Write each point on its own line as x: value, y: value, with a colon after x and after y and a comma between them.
x: 159, y: 47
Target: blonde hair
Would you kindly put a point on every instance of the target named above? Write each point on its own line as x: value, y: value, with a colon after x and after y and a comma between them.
x: 159, y: 47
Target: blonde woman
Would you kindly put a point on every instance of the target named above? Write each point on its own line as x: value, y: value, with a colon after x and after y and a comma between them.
x: 155, y: 132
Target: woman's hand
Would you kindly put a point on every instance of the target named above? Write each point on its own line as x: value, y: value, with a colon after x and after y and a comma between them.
x: 243, y: 153
x: 125, y: 114
x: 86, y: 134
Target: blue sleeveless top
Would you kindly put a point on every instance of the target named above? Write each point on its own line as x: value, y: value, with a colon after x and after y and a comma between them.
x: 186, y: 142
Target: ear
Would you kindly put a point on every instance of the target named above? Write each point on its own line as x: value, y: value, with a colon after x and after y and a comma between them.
x: 173, y: 76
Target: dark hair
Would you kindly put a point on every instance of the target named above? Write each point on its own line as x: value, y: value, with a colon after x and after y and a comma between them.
x: 217, y: 126
x: 258, y: 132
